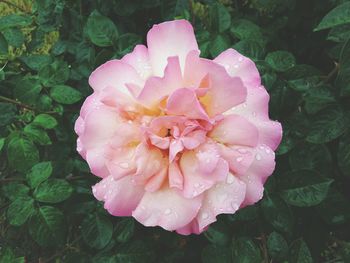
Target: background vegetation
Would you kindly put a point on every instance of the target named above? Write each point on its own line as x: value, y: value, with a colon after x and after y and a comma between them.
x: 48, y: 48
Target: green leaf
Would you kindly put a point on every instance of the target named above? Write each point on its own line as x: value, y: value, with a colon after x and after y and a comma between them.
x: 343, y: 154
x: 215, y: 254
x: 14, y: 37
x: 65, y: 94
x: 53, y: 191
x: 327, y: 125
x: 277, y: 213
x: 343, y: 79
x: 3, y: 45
x: 135, y: 252
x: 127, y: 42
x: 125, y: 230
x: 39, y: 173
x: 174, y: 8
x: 219, y: 18
x: 251, y: 49
x: 218, y: 234
x: 219, y: 44
x: 97, y: 231
x: 22, y: 154
x: 318, y: 98
x: 8, y: 113
x: 54, y: 73
x: 15, y: 190
x: 339, y: 33
x: 47, y: 226
x: 334, y: 210
x: 244, y: 250
x: 2, y: 143
x: 14, y: 21
x: 337, y: 16
x: 101, y: 30
x: 312, y: 157
x: 36, y: 61
x: 8, y: 256
x: 37, y: 134
x: 45, y: 121
x: 280, y: 60
x: 305, y: 188
x: 300, y: 253
x: 277, y: 246
x: 27, y: 90
x: 246, y: 30
x: 20, y: 210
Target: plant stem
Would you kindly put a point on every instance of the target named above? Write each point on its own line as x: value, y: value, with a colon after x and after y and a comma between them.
x: 22, y: 105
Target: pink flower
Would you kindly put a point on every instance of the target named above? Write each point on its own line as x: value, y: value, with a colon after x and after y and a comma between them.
x: 177, y: 139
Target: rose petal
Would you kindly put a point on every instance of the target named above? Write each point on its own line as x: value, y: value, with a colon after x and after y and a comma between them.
x: 139, y: 60
x: 184, y: 102
x: 224, y: 198
x: 240, y: 66
x: 163, y: 42
x: 255, y: 177
x: 116, y: 74
x: 196, y: 181
x: 121, y: 196
x: 235, y: 130
x: 166, y: 208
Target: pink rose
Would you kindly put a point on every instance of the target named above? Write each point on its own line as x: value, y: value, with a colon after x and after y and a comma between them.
x: 177, y: 139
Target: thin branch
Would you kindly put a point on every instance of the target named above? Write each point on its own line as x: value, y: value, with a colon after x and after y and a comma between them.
x: 331, y: 74
x: 25, y: 106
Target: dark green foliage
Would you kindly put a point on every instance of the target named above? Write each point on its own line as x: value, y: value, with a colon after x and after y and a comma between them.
x: 48, y: 50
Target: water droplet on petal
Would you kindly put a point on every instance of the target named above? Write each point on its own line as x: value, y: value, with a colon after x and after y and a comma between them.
x: 258, y: 157
x: 124, y: 165
x: 239, y: 159
x: 230, y: 179
x: 240, y: 59
x: 104, y: 185
x: 94, y: 190
x: 267, y: 150
x: 167, y: 211
x: 195, y: 193
x: 205, y: 215
x: 234, y: 206
x: 243, y: 151
x: 196, y: 185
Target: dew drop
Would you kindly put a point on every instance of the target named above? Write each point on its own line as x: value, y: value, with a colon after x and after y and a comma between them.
x: 243, y: 151
x: 235, y: 66
x: 230, y: 179
x: 240, y: 59
x: 196, y: 185
x: 124, y: 165
x: 94, y: 190
x: 104, y: 186
x: 195, y: 193
x: 205, y: 215
x: 167, y: 211
x: 239, y: 159
x: 105, y: 197
x: 234, y: 206
x: 258, y: 157
x: 267, y: 150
